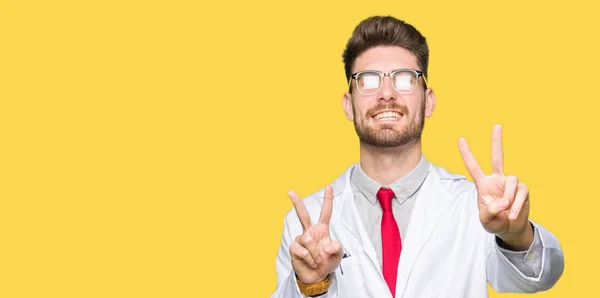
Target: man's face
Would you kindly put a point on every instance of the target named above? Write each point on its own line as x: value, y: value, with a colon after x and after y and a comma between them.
x: 388, y: 118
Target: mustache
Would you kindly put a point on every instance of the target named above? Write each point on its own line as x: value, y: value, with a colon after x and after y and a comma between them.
x: 387, y: 106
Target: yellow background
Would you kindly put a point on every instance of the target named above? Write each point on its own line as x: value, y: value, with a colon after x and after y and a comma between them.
x: 146, y: 147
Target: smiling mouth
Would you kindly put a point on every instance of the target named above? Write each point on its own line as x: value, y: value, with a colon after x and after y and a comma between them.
x: 387, y: 115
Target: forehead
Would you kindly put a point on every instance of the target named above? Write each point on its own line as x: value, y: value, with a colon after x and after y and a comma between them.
x: 385, y: 58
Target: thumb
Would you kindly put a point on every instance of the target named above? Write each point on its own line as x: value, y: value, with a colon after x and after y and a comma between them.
x: 489, y: 212
x: 333, y: 248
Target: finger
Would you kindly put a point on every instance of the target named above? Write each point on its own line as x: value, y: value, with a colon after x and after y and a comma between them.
x: 308, y: 242
x: 300, y: 210
x: 327, y: 206
x: 520, y: 199
x: 470, y: 162
x: 510, y: 188
x: 497, y: 152
x: 297, y: 252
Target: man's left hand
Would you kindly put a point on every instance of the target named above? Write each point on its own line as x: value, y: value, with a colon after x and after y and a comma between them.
x: 503, y: 201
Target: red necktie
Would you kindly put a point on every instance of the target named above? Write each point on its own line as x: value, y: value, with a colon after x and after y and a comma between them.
x: 390, y: 239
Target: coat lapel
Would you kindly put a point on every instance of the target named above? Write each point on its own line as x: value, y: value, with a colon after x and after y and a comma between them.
x: 430, y: 204
x: 346, y: 212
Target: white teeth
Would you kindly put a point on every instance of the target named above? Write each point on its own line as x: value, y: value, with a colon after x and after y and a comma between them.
x: 387, y: 116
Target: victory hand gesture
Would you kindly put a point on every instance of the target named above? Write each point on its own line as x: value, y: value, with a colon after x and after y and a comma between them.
x: 314, y: 255
x: 503, y: 201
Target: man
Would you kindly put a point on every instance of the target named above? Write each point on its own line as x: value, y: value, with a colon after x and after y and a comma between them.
x: 394, y: 225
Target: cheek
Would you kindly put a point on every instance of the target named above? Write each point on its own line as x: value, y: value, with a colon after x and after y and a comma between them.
x: 360, y: 112
x: 363, y: 104
x: 415, y: 106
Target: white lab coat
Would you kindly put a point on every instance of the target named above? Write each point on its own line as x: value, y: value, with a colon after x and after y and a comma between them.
x: 446, y: 252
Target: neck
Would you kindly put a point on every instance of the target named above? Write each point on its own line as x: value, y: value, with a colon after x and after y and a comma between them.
x: 386, y: 165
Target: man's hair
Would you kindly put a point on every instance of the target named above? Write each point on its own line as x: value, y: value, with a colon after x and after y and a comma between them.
x: 385, y: 31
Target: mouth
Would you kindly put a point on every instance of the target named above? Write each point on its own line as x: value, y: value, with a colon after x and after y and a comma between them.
x: 387, y: 116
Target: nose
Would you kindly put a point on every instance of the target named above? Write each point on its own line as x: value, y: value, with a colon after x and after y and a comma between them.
x: 387, y: 91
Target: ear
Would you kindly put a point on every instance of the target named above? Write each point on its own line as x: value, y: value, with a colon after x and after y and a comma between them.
x: 429, y: 102
x: 347, y: 105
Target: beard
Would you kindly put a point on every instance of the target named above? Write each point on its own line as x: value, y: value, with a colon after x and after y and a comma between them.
x: 386, y: 136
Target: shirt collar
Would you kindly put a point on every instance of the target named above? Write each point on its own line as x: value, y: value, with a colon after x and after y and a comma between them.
x: 404, y: 187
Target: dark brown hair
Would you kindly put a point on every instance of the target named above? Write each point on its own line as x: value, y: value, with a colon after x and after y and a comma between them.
x: 385, y: 31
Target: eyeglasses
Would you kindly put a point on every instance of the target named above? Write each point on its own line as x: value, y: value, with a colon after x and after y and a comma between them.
x: 404, y: 81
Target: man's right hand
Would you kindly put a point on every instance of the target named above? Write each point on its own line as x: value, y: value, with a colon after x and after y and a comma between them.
x: 314, y: 255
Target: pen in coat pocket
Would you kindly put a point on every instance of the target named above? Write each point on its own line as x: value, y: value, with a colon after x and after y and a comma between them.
x: 343, y: 257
